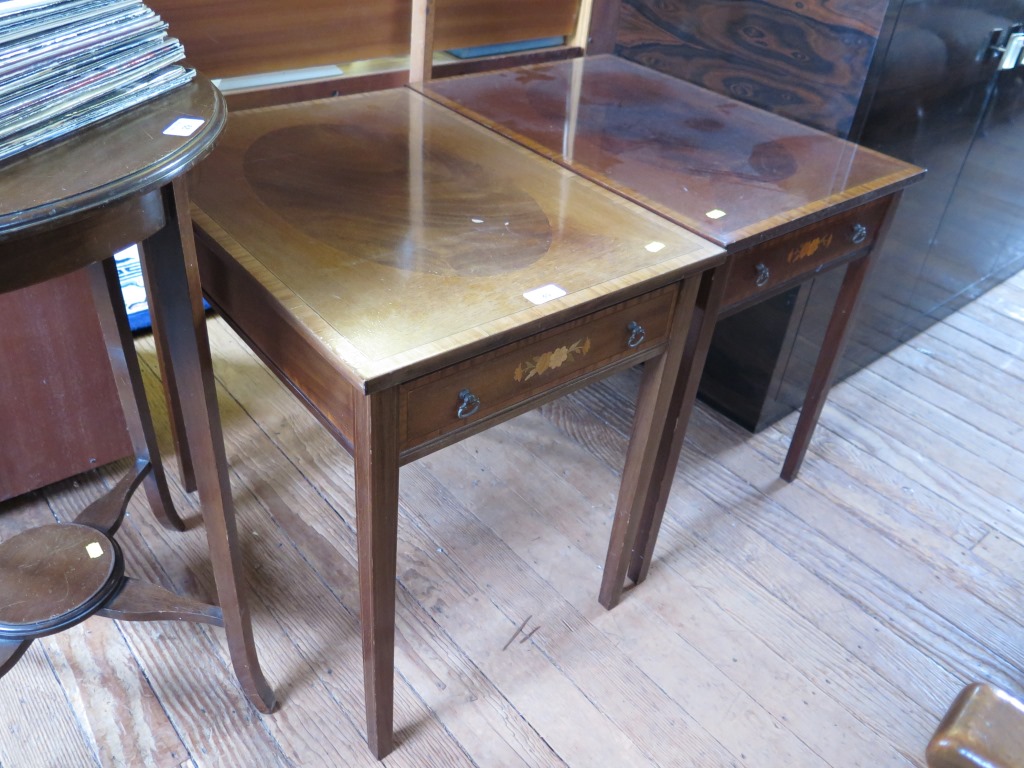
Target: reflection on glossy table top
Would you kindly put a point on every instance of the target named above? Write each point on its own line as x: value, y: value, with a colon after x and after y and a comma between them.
x: 125, y: 155
x: 731, y: 172
x: 403, y: 230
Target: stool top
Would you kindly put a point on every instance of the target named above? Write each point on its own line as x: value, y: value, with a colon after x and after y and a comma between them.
x: 125, y: 155
x: 54, y: 576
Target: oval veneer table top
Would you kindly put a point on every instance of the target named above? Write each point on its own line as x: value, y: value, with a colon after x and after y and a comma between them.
x: 400, y: 232
x: 125, y: 155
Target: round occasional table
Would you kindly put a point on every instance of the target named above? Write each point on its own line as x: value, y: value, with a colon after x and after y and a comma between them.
x: 71, y: 205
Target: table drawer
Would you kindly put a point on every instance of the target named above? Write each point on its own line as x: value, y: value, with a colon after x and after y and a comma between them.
x: 467, y: 392
x: 808, y: 250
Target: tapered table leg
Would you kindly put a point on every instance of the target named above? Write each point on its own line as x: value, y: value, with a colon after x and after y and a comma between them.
x: 698, y: 341
x: 653, y: 420
x: 376, y: 477
x: 825, y: 366
x: 169, y: 266
x: 832, y: 349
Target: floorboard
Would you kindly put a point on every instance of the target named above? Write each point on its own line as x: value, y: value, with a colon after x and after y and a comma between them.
x: 826, y: 622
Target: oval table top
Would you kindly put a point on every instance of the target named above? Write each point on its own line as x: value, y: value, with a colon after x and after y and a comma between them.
x: 402, y: 233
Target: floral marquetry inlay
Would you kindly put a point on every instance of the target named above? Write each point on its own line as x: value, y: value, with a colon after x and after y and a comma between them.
x: 551, y: 360
x: 809, y: 249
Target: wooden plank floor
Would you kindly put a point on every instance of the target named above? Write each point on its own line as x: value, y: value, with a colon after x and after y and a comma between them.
x: 828, y: 622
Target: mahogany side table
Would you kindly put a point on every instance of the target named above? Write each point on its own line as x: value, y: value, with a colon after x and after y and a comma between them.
x: 785, y: 201
x: 415, y: 279
x: 71, y: 205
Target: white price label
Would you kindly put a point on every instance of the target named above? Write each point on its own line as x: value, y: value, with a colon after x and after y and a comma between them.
x: 184, y: 126
x: 544, y: 294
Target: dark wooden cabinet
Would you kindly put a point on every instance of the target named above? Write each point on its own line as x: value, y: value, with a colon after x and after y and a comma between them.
x: 915, y: 79
x: 937, y: 97
x: 59, y: 411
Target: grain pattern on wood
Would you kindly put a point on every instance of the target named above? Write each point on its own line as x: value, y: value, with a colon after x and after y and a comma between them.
x: 828, y: 622
x: 227, y: 38
x: 807, y: 61
x: 570, y: 641
x: 928, y: 600
x: 129, y: 727
x: 39, y: 729
x: 538, y: 532
x: 816, y: 603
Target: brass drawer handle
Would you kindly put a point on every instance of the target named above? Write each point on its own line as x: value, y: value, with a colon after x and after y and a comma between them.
x: 468, y: 404
x: 763, y: 275
x: 637, y: 334
x: 860, y: 234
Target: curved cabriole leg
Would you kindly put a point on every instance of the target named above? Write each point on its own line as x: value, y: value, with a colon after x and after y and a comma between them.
x: 106, y: 291
x: 169, y: 260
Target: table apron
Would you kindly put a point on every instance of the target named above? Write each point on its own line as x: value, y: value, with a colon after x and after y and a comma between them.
x: 82, y: 240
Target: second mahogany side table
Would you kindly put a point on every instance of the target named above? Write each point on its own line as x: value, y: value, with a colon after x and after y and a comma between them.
x: 785, y: 201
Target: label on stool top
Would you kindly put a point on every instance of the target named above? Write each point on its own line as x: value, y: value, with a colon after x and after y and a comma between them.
x: 184, y: 126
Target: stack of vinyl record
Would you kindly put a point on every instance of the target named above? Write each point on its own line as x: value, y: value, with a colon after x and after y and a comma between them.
x: 65, y: 64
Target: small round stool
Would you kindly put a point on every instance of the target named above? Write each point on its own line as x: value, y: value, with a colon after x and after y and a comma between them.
x: 55, y: 576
